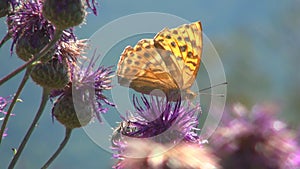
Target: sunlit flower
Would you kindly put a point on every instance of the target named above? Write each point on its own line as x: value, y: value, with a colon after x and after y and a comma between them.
x: 254, y: 140
x: 70, y: 49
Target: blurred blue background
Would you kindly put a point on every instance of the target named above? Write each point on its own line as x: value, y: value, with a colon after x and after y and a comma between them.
x: 258, y: 44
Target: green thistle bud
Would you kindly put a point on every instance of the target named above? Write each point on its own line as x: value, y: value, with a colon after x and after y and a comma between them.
x: 4, y: 8
x: 30, y: 44
x: 64, y: 112
x: 53, y: 74
x: 64, y: 13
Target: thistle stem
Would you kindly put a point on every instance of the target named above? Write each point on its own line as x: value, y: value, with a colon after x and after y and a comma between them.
x: 35, y: 58
x: 31, y: 128
x: 60, y: 148
x: 11, y: 106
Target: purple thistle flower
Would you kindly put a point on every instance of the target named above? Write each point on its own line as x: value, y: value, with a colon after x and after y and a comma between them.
x: 163, y: 121
x: 88, y: 85
x: 27, y: 19
x: 97, y: 80
x: 256, y: 139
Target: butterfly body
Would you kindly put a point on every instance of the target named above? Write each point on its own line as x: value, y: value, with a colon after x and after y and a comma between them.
x: 169, y: 62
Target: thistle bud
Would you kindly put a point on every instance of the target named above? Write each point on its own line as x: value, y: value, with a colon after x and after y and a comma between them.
x: 64, y: 112
x: 30, y: 44
x: 64, y: 13
x: 53, y: 74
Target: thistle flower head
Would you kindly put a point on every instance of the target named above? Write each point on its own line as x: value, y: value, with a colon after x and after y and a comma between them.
x: 94, y: 82
x: 70, y: 49
x: 28, y: 19
x: 139, y: 154
x: 52, y: 74
x: 87, y: 88
x: 28, y: 22
x: 64, y: 13
x: 161, y: 121
x: 254, y: 140
x: 65, y: 112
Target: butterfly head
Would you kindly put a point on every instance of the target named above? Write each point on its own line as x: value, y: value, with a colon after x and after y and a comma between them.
x: 189, y: 95
x: 176, y: 95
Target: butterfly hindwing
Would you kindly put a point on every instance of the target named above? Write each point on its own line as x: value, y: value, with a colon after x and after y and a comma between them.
x: 142, y: 69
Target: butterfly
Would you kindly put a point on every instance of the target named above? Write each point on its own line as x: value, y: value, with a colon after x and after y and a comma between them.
x: 168, y: 62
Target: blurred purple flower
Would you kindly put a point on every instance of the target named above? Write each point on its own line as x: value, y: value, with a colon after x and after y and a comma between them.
x: 140, y: 154
x: 255, y: 140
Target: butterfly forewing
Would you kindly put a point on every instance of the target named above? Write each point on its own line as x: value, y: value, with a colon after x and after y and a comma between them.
x: 166, y: 47
x: 185, y: 43
x: 193, y: 57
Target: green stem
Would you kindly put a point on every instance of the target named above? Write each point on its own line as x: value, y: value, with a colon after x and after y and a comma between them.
x: 31, y: 128
x: 35, y: 58
x: 60, y: 148
x: 11, y: 106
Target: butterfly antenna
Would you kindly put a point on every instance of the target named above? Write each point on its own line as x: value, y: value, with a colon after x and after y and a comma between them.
x: 224, y: 83
x: 218, y: 95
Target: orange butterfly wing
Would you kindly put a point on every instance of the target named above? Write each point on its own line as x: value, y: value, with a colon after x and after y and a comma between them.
x: 142, y: 69
x: 169, y: 62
